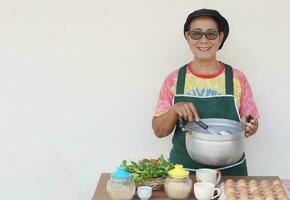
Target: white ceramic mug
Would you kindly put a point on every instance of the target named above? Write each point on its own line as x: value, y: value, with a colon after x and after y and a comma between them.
x: 208, y: 175
x: 205, y: 191
x: 144, y: 192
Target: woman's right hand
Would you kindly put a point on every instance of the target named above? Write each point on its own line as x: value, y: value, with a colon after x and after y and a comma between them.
x: 186, y: 110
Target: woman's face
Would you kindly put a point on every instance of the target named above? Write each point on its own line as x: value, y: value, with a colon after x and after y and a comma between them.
x: 204, y: 48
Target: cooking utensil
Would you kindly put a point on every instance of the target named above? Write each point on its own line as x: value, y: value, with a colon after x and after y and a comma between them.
x: 215, y: 149
x: 209, y: 129
x: 206, y: 127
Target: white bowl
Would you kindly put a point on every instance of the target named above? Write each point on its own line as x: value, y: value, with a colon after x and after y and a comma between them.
x: 144, y: 192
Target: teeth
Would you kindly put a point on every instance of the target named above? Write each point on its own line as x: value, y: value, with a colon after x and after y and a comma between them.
x: 204, y: 48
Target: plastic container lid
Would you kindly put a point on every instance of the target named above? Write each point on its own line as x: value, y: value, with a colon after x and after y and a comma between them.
x: 121, y: 173
x: 178, y: 172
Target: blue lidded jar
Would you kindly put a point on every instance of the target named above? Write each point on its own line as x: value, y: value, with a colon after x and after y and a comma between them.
x: 121, y: 185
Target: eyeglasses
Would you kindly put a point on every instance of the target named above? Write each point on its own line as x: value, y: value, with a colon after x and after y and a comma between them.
x: 209, y: 34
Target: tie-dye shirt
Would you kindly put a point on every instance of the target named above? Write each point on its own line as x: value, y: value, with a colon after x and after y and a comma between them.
x: 208, y: 85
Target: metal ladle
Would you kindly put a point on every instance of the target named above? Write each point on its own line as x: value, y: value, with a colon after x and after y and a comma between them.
x: 212, y: 131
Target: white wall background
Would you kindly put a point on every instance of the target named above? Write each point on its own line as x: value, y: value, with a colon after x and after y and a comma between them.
x: 79, y: 81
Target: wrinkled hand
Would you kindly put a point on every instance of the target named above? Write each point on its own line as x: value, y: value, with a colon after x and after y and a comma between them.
x: 251, y: 126
x: 186, y: 110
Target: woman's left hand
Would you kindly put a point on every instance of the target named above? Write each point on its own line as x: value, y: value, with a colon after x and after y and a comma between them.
x: 251, y: 126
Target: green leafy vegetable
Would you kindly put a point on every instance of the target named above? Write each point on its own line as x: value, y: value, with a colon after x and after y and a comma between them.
x: 148, y: 169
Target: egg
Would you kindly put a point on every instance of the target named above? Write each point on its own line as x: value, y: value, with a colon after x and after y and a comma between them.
x: 253, y: 181
x: 243, y: 190
x: 242, y: 185
x: 256, y: 192
x: 231, y: 196
x: 253, y: 184
x: 244, y: 196
x: 253, y: 188
x: 267, y: 191
x: 284, y: 198
x: 257, y: 198
x: 278, y: 188
x: 229, y: 189
x: 241, y: 182
x: 264, y: 183
x: 229, y: 182
x: 270, y: 197
x: 276, y: 182
x: 281, y: 195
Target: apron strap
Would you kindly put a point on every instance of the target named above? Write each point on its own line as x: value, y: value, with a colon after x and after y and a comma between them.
x: 181, y: 80
x: 229, y: 80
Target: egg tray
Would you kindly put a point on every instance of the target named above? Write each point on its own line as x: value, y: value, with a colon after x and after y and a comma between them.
x: 253, y: 189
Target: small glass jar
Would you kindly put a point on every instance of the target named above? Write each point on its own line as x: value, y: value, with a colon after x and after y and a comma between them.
x: 178, y: 185
x: 121, y: 186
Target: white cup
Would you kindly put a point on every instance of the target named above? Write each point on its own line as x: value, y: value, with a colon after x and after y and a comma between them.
x: 205, y: 191
x: 144, y: 192
x: 208, y: 175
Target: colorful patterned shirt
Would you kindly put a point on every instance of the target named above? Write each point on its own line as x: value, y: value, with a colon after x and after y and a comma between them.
x: 208, y: 85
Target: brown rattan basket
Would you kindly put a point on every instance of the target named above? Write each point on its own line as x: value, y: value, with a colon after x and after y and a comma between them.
x: 156, y: 184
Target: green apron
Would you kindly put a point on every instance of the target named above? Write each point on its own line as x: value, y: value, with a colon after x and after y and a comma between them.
x: 220, y: 106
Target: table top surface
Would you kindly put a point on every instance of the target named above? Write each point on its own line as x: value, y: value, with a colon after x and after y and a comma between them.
x: 101, y: 192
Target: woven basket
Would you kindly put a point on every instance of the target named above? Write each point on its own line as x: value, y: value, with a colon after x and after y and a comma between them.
x: 156, y: 184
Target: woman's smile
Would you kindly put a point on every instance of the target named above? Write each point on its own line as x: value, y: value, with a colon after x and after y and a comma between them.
x: 203, y: 48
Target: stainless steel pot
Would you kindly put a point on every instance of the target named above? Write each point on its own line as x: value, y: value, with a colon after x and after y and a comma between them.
x: 215, y: 150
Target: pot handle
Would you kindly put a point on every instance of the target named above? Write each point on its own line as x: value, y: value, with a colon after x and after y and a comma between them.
x: 249, y: 118
x: 182, y: 124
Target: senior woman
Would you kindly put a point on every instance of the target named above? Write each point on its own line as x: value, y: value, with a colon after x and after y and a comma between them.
x: 204, y: 88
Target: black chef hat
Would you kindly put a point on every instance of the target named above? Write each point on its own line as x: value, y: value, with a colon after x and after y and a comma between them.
x: 223, y: 24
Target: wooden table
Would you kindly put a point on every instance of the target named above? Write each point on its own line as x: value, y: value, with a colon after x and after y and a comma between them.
x: 101, y: 193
